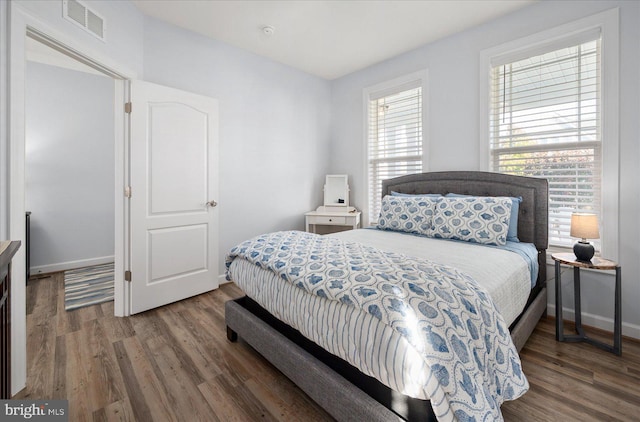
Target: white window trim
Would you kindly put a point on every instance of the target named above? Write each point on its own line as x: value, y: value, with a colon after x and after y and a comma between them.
x: 368, y: 92
x: 608, y: 24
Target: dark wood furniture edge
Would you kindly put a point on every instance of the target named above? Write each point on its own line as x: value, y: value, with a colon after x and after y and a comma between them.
x: 7, y: 250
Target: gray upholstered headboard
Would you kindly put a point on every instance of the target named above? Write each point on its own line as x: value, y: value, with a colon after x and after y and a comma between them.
x: 533, y: 214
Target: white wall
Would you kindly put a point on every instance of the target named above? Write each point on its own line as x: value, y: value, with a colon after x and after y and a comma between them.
x: 69, y: 167
x: 274, y: 127
x: 124, y: 23
x: 121, y: 50
x: 453, y: 125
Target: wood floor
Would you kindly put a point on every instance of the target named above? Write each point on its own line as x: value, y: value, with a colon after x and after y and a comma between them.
x: 175, y: 364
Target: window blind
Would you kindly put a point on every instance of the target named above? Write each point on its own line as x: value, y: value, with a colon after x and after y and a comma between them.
x: 394, y: 140
x: 545, y: 121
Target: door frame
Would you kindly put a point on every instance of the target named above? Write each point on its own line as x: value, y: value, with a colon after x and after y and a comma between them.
x: 23, y: 24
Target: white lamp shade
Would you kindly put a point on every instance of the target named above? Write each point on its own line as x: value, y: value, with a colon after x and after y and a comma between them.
x: 584, y: 226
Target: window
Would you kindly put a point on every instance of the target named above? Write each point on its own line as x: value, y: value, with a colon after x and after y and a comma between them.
x: 551, y: 107
x: 545, y: 122
x: 394, y: 136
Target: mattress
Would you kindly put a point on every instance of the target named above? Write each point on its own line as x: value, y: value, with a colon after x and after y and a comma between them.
x: 359, y: 338
x: 504, y: 273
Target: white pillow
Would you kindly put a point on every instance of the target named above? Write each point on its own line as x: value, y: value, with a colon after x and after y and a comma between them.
x: 410, y: 214
x: 478, y: 219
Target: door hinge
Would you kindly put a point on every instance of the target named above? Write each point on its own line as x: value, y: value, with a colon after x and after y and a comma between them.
x: 127, y: 275
x: 127, y: 191
x: 127, y: 107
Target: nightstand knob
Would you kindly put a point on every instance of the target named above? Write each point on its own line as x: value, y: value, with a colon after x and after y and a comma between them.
x: 212, y: 203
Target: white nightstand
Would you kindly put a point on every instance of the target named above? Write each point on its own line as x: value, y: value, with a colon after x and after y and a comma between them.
x: 324, y: 217
x: 336, y: 210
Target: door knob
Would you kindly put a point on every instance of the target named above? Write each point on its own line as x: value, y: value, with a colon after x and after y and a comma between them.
x: 212, y: 203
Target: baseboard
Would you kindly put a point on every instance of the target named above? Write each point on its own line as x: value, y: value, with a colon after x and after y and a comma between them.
x: 222, y: 279
x: 597, y: 321
x: 70, y: 265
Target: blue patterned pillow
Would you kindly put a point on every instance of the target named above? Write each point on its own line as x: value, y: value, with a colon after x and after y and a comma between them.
x: 411, y: 214
x: 512, y: 234
x: 479, y: 219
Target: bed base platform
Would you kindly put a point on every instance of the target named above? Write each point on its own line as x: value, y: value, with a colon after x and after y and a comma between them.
x: 522, y: 328
x: 338, y: 387
x: 332, y: 383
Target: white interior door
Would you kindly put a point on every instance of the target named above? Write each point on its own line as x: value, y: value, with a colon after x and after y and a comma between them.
x: 174, y: 185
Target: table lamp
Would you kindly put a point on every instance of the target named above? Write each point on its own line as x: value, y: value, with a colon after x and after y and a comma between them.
x: 584, y: 226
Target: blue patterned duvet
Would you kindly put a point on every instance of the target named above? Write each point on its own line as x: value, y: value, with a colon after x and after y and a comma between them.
x: 470, y: 363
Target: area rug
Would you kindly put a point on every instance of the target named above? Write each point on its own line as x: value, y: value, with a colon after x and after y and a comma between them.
x: 88, y: 286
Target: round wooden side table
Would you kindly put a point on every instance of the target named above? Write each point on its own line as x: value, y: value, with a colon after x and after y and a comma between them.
x: 596, y: 263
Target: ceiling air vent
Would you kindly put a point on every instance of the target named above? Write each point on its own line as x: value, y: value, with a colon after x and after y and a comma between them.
x: 87, y: 19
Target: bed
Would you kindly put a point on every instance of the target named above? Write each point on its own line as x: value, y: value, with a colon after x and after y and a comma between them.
x: 342, y: 389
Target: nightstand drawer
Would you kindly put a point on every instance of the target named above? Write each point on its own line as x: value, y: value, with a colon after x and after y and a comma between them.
x: 328, y: 220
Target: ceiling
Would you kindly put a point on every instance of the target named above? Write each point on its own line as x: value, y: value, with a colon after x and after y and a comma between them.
x: 328, y: 39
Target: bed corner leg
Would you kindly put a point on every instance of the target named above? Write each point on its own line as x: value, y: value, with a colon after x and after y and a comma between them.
x: 232, y: 336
